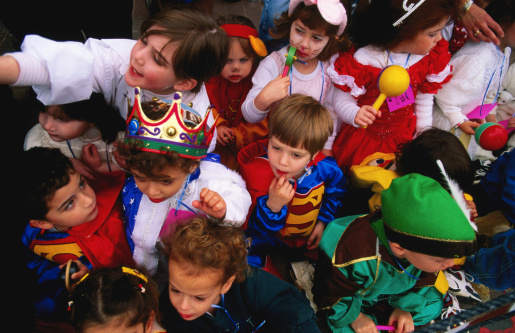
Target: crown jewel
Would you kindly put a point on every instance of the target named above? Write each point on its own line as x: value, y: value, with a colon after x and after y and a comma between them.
x: 179, y: 129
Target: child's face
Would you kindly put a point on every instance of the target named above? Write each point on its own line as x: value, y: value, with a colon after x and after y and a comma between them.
x: 192, y: 296
x: 150, y: 65
x: 286, y: 160
x: 428, y: 263
x: 170, y: 181
x: 238, y: 65
x: 424, y: 41
x: 309, y: 43
x: 61, y: 130
x: 72, y: 205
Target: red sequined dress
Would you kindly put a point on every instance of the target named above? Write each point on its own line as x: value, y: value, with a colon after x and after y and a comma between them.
x: 353, y: 144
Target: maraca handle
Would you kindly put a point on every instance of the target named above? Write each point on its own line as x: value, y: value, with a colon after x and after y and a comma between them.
x: 379, y: 101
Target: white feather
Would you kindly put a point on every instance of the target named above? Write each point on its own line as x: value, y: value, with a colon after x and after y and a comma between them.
x: 457, y: 194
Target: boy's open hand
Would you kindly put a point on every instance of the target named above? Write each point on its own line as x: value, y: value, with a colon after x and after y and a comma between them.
x: 366, y: 115
x: 364, y: 324
x: 402, y: 320
x: 211, y: 203
x: 280, y: 193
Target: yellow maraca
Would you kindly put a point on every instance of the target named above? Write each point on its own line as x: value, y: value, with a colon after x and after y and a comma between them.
x: 393, y: 81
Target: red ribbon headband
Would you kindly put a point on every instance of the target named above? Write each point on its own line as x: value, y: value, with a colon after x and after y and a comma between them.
x: 238, y: 30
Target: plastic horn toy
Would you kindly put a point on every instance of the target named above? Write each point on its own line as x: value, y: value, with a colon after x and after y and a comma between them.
x: 491, y: 136
x: 290, y: 58
x: 393, y: 81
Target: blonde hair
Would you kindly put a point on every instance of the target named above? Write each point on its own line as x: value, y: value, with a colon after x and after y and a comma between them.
x: 201, y: 244
x: 300, y: 120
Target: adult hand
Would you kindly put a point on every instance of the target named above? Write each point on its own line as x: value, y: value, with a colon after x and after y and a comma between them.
x: 480, y: 26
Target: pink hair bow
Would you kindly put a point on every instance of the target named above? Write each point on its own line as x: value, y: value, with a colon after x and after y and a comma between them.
x: 331, y: 10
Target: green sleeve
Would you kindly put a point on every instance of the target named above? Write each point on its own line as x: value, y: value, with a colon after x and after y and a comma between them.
x: 424, y: 304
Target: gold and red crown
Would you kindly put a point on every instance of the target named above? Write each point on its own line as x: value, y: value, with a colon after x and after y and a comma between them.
x: 171, y: 131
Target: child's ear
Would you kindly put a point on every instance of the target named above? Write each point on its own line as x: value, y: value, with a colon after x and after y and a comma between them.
x: 228, y: 284
x: 315, y: 155
x: 41, y: 224
x: 185, y: 85
x: 397, y: 250
x: 150, y: 322
x: 194, y: 167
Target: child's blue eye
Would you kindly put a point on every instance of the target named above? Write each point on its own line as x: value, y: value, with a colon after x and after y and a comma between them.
x: 276, y: 148
x: 244, y: 60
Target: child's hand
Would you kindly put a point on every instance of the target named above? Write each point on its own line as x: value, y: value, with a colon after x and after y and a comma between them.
x: 402, y: 320
x: 224, y: 135
x: 83, y: 169
x: 473, y: 210
x: 366, y: 115
x: 274, y: 91
x: 468, y: 127
x: 9, y: 70
x: 364, y: 324
x: 82, y: 270
x: 316, y: 236
x: 511, y: 122
x: 120, y: 160
x: 280, y: 193
x: 91, y: 157
x: 211, y: 203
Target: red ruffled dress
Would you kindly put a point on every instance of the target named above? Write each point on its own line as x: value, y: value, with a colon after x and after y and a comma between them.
x: 353, y: 144
x: 227, y: 97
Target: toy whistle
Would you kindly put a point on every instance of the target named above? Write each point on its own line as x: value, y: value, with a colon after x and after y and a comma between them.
x: 290, y: 58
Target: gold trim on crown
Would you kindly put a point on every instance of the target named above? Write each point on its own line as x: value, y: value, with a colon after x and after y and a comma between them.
x: 170, y: 132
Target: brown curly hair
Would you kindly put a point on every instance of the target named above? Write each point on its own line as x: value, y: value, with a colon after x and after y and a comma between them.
x: 203, y: 244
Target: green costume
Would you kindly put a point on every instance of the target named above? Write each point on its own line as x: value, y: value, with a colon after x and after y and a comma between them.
x: 356, y: 271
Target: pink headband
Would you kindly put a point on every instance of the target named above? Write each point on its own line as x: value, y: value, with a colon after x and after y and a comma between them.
x: 331, y: 10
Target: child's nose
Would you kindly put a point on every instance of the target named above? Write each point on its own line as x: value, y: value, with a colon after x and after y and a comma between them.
x: 185, y: 304
x: 448, y: 263
x: 48, y: 124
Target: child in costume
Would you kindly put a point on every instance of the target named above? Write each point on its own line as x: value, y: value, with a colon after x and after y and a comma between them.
x: 173, y: 177
x: 228, y: 90
x: 115, y: 299
x: 80, y: 129
x: 478, y: 71
x: 380, y: 269
x: 418, y: 155
x: 212, y: 289
x: 407, y: 36
x: 296, y: 189
x: 314, y: 30
x: 179, y: 49
x: 68, y: 220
